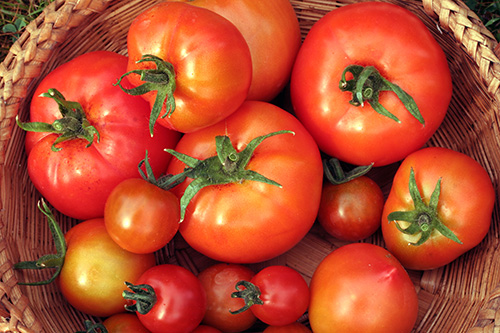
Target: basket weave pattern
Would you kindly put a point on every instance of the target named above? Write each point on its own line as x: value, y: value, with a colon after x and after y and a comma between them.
x: 463, y: 296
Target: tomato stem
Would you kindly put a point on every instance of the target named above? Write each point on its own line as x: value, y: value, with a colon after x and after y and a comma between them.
x: 250, y: 294
x: 73, y: 124
x: 228, y: 166
x: 424, y: 218
x: 366, y: 85
x: 143, y: 295
x: 91, y: 327
x: 50, y: 260
x: 160, y: 79
x: 336, y: 175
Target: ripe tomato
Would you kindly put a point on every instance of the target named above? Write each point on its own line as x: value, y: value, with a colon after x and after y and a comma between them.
x: 361, y: 287
x: 204, y: 60
x: 244, y: 220
x: 439, y: 207
x: 218, y: 281
x: 272, y: 32
x: 77, y: 179
x: 350, y: 208
x: 124, y: 323
x: 363, y: 34
x: 168, y: 298
x: 277, y: 295
x: 140, y: 216
x: 290, y: 328
x: 95, y: 269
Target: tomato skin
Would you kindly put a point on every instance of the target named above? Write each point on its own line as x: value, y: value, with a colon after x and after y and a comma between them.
x: 218, y: 281
x: 351, y: 211
x: 290, y: 328
x: 95, y: 268
x: 181, y: 299
x: 285, y: 294
x: 465, y: 206
x: 141, y: 217
x: 77, y: 180
x: 272, y: 32
x: 359, y: 135
x: 251, y: 221
x: 211, y: 59
x: 361, y: 287
x: 124, y: 323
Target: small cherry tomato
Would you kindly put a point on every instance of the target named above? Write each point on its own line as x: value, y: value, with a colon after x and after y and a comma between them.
x: 124, y: 323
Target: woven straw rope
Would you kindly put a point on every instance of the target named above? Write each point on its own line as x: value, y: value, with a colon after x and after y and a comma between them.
x: 37, y: 46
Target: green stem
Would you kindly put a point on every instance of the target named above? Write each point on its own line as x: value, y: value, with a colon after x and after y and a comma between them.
x: 228, y: 166
x: 72, y: 125
x: 366, y: 85
x: 250, y: 294
x: 50, y: 260
x: 424, y: 218
x: 143, y: 297
x: 336, y: 175
x: 160, y: 79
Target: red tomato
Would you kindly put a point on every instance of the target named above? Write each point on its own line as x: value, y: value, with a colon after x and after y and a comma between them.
x: 206, y: 329
x: 180, y: 300
x: 272, y: 32
x: 140, y: 216
x: 290, y: 328
x: 95, y: 269
x: 364, y: 34
x: 351, y: 211
x: 209, y: 64
x: 124, y: 323
x: 444, y: 212
x: 77, y: 180
x: 361, y: 287
x: 219, y: 281
x: 246, y: 221
x: 277, y: 295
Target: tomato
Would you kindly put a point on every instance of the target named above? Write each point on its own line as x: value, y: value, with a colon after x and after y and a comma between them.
x: 342, y: 49
x: 206, y: 329
x: 242, y: 217
x: 202, y: 57
x: 272, y: 32
x: 290, y: 328
x: 95, y: 269
x: 439, y: 207
x: 351, y: 204
x: 361, y: 287
x: 277, y: 295
x: 124, y: 323
x: 218, y: 281
x: 168, y: 298
x: 140, y: 215
x: 77, y: 179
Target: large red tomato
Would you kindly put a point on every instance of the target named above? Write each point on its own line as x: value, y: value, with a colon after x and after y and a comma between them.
x: 238, y: 217
x: 198, y: 61
x: 439, y: 207
x: 361, y: 287
x: 78, y: 178
x: 386, y: 45
x: 272, y: 32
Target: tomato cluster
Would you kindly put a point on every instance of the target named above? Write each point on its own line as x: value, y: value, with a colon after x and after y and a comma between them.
x: 186, y: 137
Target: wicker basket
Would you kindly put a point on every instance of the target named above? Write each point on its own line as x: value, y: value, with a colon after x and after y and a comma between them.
x: 462, y: 296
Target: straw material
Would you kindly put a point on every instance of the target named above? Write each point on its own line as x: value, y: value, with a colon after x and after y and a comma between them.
x: 462, y: 296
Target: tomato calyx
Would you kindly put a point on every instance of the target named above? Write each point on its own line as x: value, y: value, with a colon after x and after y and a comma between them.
x: 91, y: 327
x: 366, y: 85
x: 160, y: 79
x: 228, y: 166
x: 424, y: 218
x: 250, y: 294
x: 336, y: 175
x: 49, y: 260
x: 143, y: 297
x: 73, y: 124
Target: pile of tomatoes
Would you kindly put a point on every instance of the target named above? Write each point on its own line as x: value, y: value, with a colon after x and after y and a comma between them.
x: 184, y: 135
